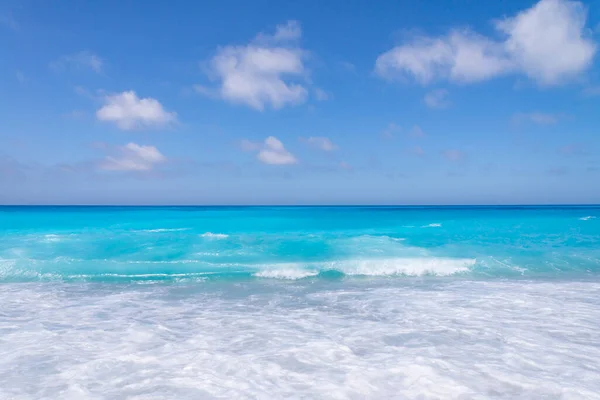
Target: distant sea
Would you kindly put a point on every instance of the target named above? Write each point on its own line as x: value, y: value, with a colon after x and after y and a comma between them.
x: 300, y: 302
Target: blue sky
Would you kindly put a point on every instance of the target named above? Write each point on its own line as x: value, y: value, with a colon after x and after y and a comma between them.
x: 262, y: 102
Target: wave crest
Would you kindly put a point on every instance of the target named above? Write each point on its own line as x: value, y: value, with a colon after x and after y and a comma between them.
x: 214, y: 235
x: 286, y: 273
x: 417, y: 266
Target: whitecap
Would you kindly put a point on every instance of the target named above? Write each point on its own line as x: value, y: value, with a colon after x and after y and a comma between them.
x: 214, y: 235
x: 158, y: 230
x: 52, y: 238
x: 587, y: 218
x: 414, y: 266
x: 435, y: 225
x: 286, y: 273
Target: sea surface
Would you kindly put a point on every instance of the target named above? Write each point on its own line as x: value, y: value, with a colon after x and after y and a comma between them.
x: 300, y: 302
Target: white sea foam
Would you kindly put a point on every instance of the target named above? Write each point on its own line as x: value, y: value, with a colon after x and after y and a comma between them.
x: 158, y: 230
x: 214, y: 235
x: 286, y: 273
x: 367, y: 340
x: 52, y: 238
x: 435, y: 225
x: 587, y: 218
x: 416, y: 266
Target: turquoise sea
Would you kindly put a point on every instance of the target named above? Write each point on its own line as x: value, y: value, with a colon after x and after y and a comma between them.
x: 300, y: 302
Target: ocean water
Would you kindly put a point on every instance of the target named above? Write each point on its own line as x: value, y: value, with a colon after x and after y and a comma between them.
x: 300, y: 302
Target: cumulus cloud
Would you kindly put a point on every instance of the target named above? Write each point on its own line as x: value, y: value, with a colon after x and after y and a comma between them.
x: 437, y: 99
x: 261, y: 74
x: 128, y: 111
x: 133, y: 157
x: 83, y: 59
x: 528, y: 43
x: 321, y: 143
x: 271, y: 151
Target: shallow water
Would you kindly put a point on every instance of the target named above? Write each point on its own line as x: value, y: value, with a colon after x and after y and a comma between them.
x: 342, y: 303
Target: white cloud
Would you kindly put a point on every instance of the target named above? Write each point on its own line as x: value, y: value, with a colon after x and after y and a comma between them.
x: 20, y: 76
x: 290, y: 31
x: 83, y: 59
x: 129, y: 112
x: 274, y: 153
x: 260, y: 74
x: 536, y: 118
x: 437, y: 99
x: 321, y: 95
x: 271, y: 151
x: 548, y: 41
x: 530, y: 43
x: 321, y: 143
x: 133, y: 157
x: 461, y: 56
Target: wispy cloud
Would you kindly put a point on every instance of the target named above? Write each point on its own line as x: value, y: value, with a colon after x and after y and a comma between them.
x: 20, y: 76
x: 558, y: 171
x: 345, y: 166
x: 538, y: 118
x: 321, y: 143
x: 437, y: 99
x: 417, y: 132
x: 133, y: 157
x: 75, y: 114
x: 348, y: 66
x: 529, y: 44
x: 130, y: 112
x: 418, y: 150
x: 573, y: 150
x: 249, y: 146
x: 591, y: 91
x: 8, y: 20
x: 454, y: 155
x: 81, y: 60
x: 390, y: 130
x: 321, y: 95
